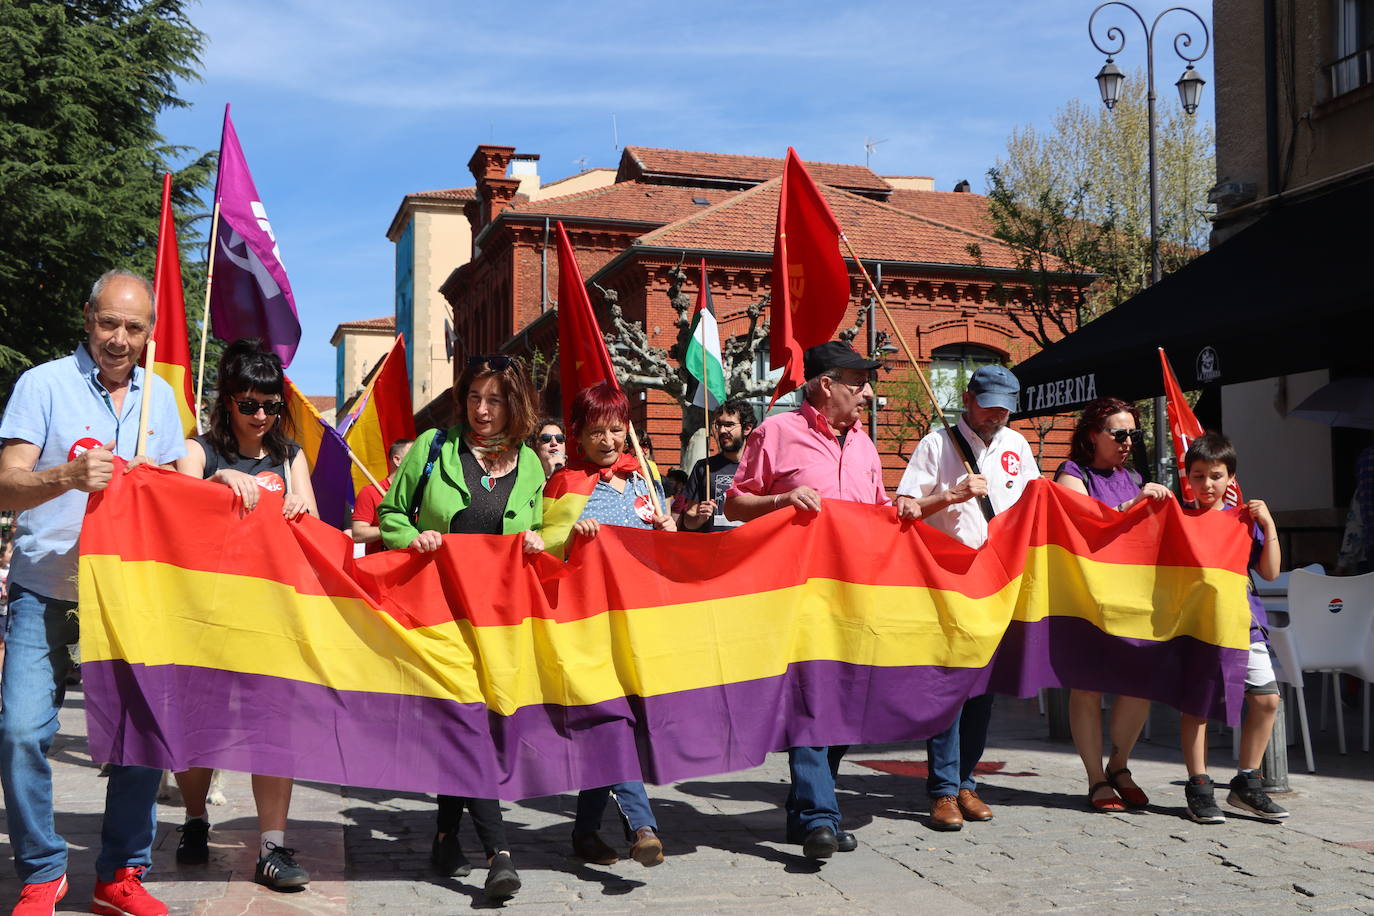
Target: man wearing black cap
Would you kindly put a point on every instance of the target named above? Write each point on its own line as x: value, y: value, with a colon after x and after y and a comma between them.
x: 819, y: 451
x: 939, y: 489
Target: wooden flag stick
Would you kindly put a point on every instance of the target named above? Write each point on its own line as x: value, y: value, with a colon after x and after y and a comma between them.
x: 644, y: 466
x: 205, y: 321
x: 910, y: 354
x: 357, y: 462
x: 150, y: 352
x: 706, y: 410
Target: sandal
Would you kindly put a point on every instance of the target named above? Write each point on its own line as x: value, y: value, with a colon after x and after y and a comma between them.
x: 1110, y: 805
x: 1133, y: 796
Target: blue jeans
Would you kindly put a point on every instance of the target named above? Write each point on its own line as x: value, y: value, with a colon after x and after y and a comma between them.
x: 633, y: 802
x: 811, y: 801
x: 36, y: 664
x: 952, y: 754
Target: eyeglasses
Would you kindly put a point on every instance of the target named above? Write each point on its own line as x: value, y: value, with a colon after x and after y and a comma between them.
x: 248, y: 407
x: 496, y: 361
x: 546, y: 438
x: 1121, y: 435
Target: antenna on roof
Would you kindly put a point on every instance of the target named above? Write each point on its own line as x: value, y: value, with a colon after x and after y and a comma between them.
x: 869, y: 145
x: 615, y: 133
x: 581, y: 163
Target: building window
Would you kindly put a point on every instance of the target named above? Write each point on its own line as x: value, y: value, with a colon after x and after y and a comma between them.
x: 1354, y: 34
x: 950, y: 369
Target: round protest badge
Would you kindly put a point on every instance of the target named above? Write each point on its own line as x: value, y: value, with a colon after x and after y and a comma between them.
x: 270, y: 481
x: 80, y: 446
x: 1011, y: 463
x: 644, y: 509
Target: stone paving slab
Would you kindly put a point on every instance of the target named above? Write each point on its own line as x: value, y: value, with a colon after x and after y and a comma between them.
x: 368, y: 849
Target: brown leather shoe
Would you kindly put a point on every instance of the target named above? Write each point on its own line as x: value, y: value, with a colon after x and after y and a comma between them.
x: 944, y: 814
x: 973, y: 807
x: 648, y: 848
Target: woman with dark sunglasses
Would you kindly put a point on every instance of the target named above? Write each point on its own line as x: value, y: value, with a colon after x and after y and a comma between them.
x: 550, y: 444
x: 1096, y: 467
x: 249, y: 449
x: 481, y: 479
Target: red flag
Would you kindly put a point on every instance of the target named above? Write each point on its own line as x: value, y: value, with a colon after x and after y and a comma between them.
x: 386, y: 415
x: 810, y: 280
x: 583, y: 359
x: 173, y: 352
x: 1183, y: 429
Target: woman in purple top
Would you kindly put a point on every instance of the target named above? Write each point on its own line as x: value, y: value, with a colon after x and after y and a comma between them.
x: 1097, y: 467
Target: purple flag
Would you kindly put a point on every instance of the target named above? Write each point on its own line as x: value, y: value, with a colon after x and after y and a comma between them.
x: 250, y: 296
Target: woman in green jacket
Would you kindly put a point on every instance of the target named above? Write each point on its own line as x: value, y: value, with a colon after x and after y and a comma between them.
x: 481, y: 479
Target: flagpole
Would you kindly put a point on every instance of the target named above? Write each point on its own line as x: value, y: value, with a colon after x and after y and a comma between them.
x: 150, y: 354
x: 205, y: 319
x: 910, y: 355
x: 644, y: 466
x: 357, y: 462
x: 705, y: 409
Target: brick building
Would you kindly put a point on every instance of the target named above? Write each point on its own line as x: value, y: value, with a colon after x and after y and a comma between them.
x: 949, y: 284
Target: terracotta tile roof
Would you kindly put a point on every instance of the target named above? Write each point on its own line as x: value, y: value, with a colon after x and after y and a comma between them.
x: 964, y: 210
x: 627, y: 200
x: 673, y: 163
x: 387, y: 323
x: 746, y: 224
x: 468, y: 193
x: 322, y: 402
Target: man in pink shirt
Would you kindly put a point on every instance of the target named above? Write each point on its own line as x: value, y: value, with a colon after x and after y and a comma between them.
x: 799, y: 458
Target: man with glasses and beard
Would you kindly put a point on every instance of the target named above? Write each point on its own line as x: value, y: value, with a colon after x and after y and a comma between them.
x: 705, y: 508
x: 938, y: 488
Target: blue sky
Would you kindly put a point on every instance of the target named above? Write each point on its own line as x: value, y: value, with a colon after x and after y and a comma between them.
x: 344, y: 106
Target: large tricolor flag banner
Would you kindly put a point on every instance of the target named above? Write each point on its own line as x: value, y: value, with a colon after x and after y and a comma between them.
x: 810, y: 290
x: 251, y: 296
x: 1183, y: 429
x: 384, y: 416
x: 172, y: 355
x: 703, y: 359
x: 327, y: 455
x: 260, y: 645
x: 583, y: 359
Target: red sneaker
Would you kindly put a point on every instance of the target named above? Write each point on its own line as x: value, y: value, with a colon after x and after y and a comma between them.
x: 40, y: 899
x: 126, y: 896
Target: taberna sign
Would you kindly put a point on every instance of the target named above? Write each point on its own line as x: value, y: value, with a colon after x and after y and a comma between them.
x: 1064, y: 392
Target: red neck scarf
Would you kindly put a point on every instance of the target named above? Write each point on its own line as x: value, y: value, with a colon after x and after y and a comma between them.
x: 625, y: 465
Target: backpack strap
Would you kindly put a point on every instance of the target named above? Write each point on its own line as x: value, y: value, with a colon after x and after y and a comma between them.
x: 983, y: 502
x: 435, y: 445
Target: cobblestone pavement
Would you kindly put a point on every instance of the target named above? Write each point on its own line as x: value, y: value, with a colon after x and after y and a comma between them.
x: 368, y: 849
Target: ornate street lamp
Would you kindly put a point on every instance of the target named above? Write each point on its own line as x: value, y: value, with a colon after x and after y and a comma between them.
x: 1109, y: 80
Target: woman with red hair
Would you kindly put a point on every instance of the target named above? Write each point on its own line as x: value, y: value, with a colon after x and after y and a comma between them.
x: 1096, y: 467
x: 603, y: 485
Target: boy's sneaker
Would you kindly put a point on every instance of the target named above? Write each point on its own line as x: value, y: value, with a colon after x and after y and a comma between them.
x: 126, y: 896
x: 279, y: 870
x: 41, y: 899
x: 1202, y: 803
x: 1247, y: 794
x: 194, y: 846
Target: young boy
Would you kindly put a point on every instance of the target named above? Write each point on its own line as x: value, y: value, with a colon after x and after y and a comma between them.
x: 1211, y: 466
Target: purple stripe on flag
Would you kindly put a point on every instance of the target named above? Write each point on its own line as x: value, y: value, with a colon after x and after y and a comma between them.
x: 332, y: 479
x: 250, y: 295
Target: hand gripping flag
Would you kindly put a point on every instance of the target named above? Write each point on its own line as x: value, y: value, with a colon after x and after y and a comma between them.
x: 251, y: 296
x: 703, y: 350
x: 384, y: 416
x: 583, y: 359
x: 1183, y: 429
x: 172, y: 355
x: 810, y: 281
x: 327, y: 456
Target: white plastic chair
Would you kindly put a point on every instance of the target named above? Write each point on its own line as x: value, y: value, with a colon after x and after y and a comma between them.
x: 1330, y: 631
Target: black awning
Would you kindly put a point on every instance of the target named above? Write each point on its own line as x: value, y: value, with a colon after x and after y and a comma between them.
x: 1290, y: 293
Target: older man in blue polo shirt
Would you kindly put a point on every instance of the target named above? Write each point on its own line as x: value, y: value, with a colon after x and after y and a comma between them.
x: 65, y: 422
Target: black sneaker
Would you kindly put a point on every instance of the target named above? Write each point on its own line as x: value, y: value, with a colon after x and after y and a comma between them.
x: 447, y: 857
x: 194, y: 846
x: 280, y: 870
x: 502, y: 879
x: 1202, y: 803
x: 1247, y: 794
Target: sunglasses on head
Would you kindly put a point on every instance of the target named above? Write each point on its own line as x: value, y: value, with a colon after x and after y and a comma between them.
x: 1121, y: 435
x: 248, y: 406
x: 496, y: 361
x: 546, y: 438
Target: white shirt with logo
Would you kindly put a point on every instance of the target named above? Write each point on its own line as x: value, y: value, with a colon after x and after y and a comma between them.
x: 938, y: 464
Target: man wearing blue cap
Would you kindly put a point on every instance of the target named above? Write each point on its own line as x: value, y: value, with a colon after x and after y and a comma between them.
x: 938, y: 489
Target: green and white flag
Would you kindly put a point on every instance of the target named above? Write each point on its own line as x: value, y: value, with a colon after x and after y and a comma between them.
x: 703, y: 350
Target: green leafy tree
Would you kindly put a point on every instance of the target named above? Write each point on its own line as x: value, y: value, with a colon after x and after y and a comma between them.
x: 82, y: 83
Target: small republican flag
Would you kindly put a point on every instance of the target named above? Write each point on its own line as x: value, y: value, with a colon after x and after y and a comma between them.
x: 1183, y: 429
x: 703, y: 360
x: 172, y: 351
